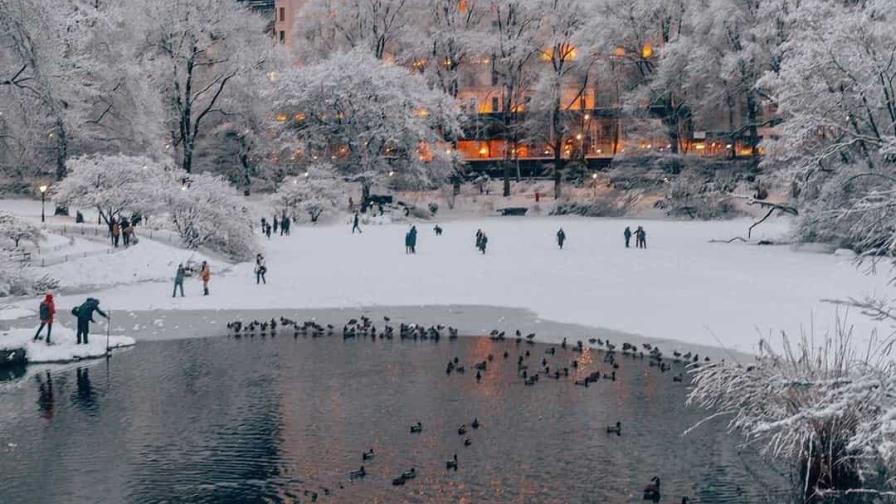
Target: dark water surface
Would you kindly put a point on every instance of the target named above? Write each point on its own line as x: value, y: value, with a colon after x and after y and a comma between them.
x: 273, y: 420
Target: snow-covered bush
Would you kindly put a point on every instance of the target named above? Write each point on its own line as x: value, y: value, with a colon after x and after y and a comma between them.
x: 115, y: 185
x: 828, y: 410
x: 14, y: 230
x: 309, y: 195
x: 208, y: 212
x: 19, y: 279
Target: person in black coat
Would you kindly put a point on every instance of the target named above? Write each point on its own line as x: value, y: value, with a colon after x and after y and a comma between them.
x: 561, y: 237
x: 355, y: 223
x: 84, y: 313
x: 628, y: 236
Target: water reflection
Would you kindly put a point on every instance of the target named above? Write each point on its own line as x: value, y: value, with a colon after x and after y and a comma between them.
x: 84, y: 398
x: 45, y: 402
x: 285, y: 420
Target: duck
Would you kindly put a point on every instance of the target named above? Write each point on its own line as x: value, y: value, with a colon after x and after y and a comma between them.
x: 398, y: 481
x: 467, y: 442
x: 652, y: 490
x: 475, y: 423
x: 360, y: 473
x: 478, y: 375
x: 615, y: 429
x: 368, y: 455
x: 452, y: 464
x: 417, y: 429
x: 409, y: 474
x: 462, y: 430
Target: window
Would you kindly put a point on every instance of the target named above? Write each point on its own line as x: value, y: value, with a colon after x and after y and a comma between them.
x: 494, y: 103
x: 282, y: 36
x: 282, y: 14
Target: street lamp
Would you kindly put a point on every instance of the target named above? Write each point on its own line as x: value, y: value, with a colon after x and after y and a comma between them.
x: 43, y: 202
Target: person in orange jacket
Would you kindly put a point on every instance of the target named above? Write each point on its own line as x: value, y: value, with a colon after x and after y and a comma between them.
x: 47, y: 313
x: 205, y: 273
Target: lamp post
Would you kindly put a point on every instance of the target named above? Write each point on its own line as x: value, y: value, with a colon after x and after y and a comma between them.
x: 594, y: 184
x: 43, y: 202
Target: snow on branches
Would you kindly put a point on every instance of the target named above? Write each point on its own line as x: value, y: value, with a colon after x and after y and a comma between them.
x: 822, y: 405
x: 14, y: 230
x: 369, y: 118
x: 317, y: 191
x: 207, y: 211
x: 114, y: 185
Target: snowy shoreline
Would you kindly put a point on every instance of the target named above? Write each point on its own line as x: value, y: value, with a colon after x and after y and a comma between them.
x: 64, y: 348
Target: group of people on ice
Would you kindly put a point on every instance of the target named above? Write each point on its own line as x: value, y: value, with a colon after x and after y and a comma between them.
x: 640, y: 237
x: 280, y: 225
x: 83, y: 314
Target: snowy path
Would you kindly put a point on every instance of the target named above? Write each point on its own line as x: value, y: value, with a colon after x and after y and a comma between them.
x: 682, y: 288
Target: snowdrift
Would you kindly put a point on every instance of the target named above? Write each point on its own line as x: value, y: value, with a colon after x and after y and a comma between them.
x: 64, y: 347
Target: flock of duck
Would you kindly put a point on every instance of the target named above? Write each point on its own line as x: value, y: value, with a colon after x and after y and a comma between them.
x: 530, y: 370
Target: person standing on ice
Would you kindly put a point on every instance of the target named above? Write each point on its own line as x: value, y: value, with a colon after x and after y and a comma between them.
x: 410, y: 241
x: 628, y: 236
x: 85, y: 317
x: 561, y: 237
x: 284, y: 226
x: 264, y: 225
x: 643, y: 238
x: 355, y: 223
x: 179, y: 280
x: 205, y: 274
x: 260, y: 270
x: 276, y: 224
x: 47, y: 312
x: 483, y: 242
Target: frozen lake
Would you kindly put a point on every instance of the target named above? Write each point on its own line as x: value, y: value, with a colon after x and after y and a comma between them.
x: 273, y: 420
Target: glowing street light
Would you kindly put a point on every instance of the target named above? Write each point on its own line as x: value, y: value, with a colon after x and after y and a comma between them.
x: 43, y: 202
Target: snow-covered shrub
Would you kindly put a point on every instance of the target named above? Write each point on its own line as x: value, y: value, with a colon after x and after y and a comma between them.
x: 19, y: 279
x: 828, y: 410
x: 115, y: 185
x: 208, y: 212
x: 309, y: 195
x: 693, y: 194
x: 13, y: 230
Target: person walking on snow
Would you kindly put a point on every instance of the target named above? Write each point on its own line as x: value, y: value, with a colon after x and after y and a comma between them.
x: 205, y: 274
x: 355, y: 225
x: 640, y: 241
x: 481, y: 241
x: 179, y: 280
x: 47, y: 312
x: 276, y: 224
x: 116, y: 232
x: 628, y: 236
x: 643, y: 238
x: 284, y: 226
x: 84, y: 313
x: 264, y: 225
x: 260, y: 269
x: 561, y: 237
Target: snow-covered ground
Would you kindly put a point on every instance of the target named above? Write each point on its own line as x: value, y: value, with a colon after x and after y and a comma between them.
x: 682, y: 287
x: 64, y: 347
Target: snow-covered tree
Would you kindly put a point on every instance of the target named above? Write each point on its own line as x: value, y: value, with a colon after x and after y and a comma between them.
x: 311, y: 194
x: 512, y: 41
x: 15, y: 230
x: 115, y: 185
x: 196, y: 53
x: 327, y: 26
x: 208, y: 212
x: 554, y: 115
x: 369, y: 119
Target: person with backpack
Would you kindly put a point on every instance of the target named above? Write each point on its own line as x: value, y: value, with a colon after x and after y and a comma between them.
x: 84, y: 313
x: 260, y: 269
x: 179, y: 280
x: 47, y: 313
x: 205, y: 274
x: 561, y: 237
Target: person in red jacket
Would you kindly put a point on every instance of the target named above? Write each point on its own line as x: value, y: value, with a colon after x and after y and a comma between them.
x: 47, y: 312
